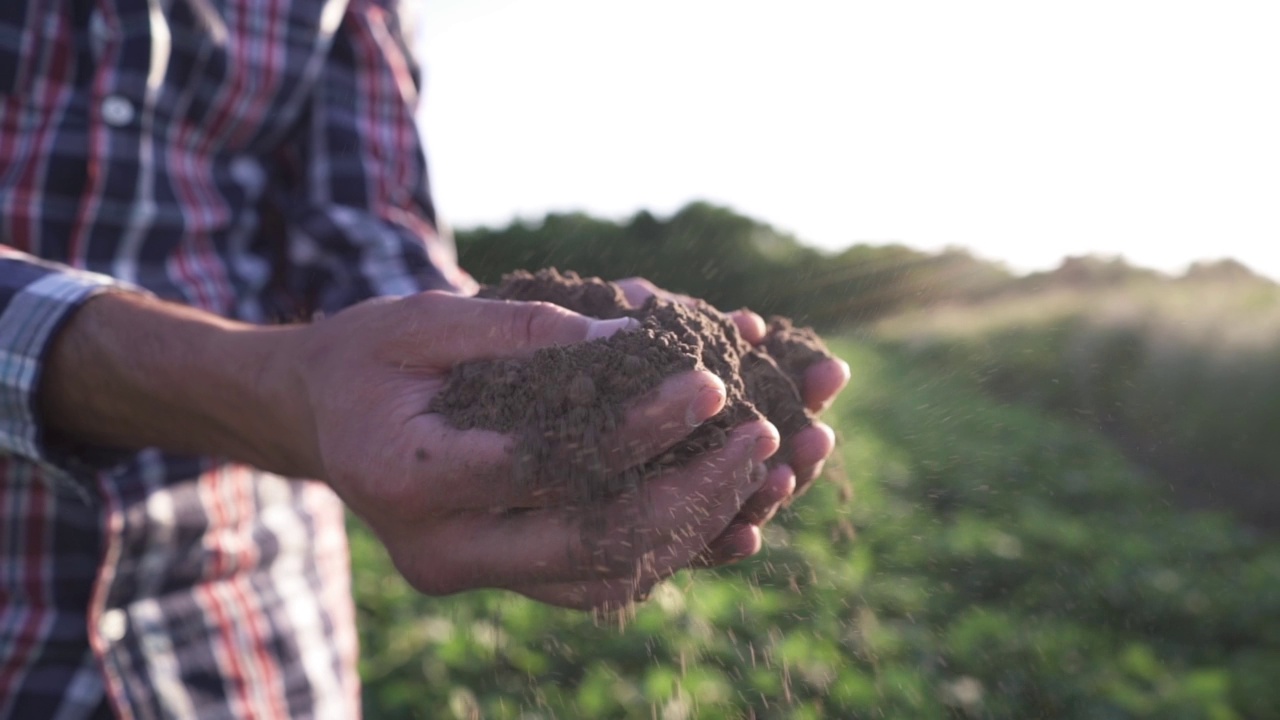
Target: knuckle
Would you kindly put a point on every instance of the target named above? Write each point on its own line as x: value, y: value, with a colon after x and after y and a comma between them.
x: 434, y: 296
x: 646, y: 285
x: 533, y: 320
x: 424, y: 302
x: 394, y: 497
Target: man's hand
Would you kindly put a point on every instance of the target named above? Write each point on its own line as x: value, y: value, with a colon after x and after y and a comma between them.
x: 345, y: 399
x: 810, y: 447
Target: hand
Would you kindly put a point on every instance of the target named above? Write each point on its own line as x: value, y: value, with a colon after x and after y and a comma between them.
x: 443, y: 501
x: 809, y: 448
x: 344, y: 400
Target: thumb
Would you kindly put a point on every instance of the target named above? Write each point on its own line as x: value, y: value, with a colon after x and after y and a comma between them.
x: 465, y: 328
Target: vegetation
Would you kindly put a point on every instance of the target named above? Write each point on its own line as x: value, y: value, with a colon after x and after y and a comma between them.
x: 733, y: 261
x: 993, y: 539
x: 1181, y: 374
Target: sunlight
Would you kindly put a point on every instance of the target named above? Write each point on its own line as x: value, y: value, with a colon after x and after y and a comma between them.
x: 1022, y: 132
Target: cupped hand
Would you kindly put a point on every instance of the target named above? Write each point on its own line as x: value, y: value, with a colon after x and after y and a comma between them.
x: 445, y: 502
x: 809, y: 448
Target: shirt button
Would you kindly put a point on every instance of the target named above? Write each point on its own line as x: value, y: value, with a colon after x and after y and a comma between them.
x: 117, y: 110
x: 113, y: 624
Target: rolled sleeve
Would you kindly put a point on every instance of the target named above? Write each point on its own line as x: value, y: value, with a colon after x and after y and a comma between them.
x: 36, y: 300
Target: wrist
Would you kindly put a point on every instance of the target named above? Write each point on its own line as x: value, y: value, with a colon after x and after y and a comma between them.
x: 133, y: 372
x: 262, y: 400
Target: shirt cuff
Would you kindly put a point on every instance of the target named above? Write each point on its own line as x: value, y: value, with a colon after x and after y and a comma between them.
x: 36, y: 300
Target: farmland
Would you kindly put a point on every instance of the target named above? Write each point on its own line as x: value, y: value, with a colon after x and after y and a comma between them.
x: 1001, y: 533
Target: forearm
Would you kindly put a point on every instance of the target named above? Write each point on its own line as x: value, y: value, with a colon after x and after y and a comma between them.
x: 132, y: 372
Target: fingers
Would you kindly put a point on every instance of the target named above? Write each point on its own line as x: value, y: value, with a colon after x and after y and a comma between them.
x: 642, y: 536
x: 750, y: 325
x: 670, y: 521
x: 777, y: 489
x: 742, y: 539
x: 739, y: 541
x: 809, y: 450
x: 823, y: 380
x: 637, y: 290
x: 681, y: 403
x: 451, y: 329
x: 476, y: 469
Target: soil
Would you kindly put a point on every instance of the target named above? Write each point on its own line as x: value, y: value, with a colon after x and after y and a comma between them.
x: 562, y: 401
x: 795, y: 349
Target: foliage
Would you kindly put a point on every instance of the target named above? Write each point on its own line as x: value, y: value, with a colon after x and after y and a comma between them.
x: 733, y: 261
x: 965, y: 559
x: 1180, y: 372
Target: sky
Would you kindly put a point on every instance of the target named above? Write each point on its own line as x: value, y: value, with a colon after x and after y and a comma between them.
x: 1023, y: 131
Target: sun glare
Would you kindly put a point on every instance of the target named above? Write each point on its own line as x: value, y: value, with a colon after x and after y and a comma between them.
x: 1021, y: 131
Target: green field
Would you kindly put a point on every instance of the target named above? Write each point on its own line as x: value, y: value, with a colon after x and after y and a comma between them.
x: 966, y: 556
x: 1017, y: 523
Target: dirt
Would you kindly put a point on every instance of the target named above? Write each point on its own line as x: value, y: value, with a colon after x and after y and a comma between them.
x: 561, y: 402
x: 795, y: 349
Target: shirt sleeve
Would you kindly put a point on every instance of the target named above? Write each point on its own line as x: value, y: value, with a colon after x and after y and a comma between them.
x: 360, y: 221
x: 36, y: 299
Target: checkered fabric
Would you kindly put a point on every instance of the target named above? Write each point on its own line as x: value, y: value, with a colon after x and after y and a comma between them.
x: 257, y: 159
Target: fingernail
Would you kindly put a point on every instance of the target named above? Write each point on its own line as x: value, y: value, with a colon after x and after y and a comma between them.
x: 748, y: 543
x: 844, y: 370
x: 845, y: 375
x: 705, y: 405
x: 597, y: 329
x: 826, y: 429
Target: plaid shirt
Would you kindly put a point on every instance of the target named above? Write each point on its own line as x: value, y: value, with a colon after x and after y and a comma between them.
x: 259, y: 160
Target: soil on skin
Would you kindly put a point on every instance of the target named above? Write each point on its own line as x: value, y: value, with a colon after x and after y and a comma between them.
x: 562, y: 402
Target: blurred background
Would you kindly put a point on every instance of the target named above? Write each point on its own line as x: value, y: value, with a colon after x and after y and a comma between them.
x: 1046, y: 239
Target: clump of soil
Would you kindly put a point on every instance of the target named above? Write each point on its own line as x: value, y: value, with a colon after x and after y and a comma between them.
x: 562, y: 402
x: 795, y: 349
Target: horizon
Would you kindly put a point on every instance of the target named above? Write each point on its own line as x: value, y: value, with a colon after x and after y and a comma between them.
x: 1021, y: 134
x: 536, y: 221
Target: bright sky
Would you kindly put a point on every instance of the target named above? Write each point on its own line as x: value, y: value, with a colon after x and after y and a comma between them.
x: 1021, y: 130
